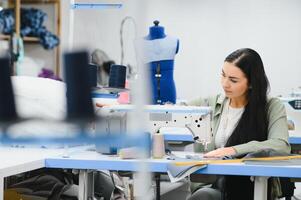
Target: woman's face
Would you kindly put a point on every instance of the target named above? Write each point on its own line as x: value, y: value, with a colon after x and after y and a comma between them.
x: 234, y: 81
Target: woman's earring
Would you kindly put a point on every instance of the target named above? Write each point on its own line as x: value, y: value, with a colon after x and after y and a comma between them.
x: 250, y: 87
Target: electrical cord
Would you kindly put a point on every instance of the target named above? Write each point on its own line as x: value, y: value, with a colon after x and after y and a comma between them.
x: 127, y: 18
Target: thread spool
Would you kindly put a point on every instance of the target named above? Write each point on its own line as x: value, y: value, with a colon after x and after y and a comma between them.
x: 158, y: 146
x: 7, y: 101
x: 117, y: 76
x: 92, y: 74
x: 79, y: 101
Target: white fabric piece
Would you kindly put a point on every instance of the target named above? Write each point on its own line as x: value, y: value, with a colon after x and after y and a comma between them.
x: 156, y: 50
x: 44, y: 101
x: 39, y: 97
x: 229, y: 120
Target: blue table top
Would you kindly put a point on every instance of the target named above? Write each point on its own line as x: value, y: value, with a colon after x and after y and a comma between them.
x: 294, y: 140
x: 253, y: 170
x: 93, y: 160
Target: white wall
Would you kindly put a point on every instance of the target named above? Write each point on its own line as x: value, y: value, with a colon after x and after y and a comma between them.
x: 99, y: 28
x: 208, y: 31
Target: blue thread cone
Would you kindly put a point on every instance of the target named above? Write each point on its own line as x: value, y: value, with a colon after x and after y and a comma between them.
x: 93, y: 74
x: 117, y: 76
x: 79, y: 102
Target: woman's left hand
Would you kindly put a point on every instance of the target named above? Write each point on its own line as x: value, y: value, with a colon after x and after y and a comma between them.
x: 221, y: 152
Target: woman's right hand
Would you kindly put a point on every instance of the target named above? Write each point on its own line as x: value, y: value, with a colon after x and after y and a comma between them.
x: 221, y: 152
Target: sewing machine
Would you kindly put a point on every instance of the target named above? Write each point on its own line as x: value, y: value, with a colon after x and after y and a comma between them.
x: 293, y: 110
x: 196, y: 119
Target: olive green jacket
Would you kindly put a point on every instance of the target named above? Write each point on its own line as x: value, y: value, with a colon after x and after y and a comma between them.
x: 277, y: 128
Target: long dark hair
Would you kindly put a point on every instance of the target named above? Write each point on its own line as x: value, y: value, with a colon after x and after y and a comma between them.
x: 253, y: 124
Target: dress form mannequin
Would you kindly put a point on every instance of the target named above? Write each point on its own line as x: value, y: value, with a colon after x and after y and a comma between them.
x: 156, y: 32
x: 161, y: 71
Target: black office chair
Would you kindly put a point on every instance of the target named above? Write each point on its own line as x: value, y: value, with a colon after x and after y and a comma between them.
x: 287, y: 187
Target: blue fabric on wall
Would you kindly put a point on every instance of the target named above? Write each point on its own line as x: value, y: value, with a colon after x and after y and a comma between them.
x: 32, y: 21
x: 7, y: 21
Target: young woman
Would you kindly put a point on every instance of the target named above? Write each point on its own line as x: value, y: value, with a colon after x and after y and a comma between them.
x: 245, y: 120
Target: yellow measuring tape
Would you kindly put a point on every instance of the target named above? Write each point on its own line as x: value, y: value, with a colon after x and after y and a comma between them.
x: 206, y: 162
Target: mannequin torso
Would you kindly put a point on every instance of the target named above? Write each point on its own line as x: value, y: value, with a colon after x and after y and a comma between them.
x: 163, y: 86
